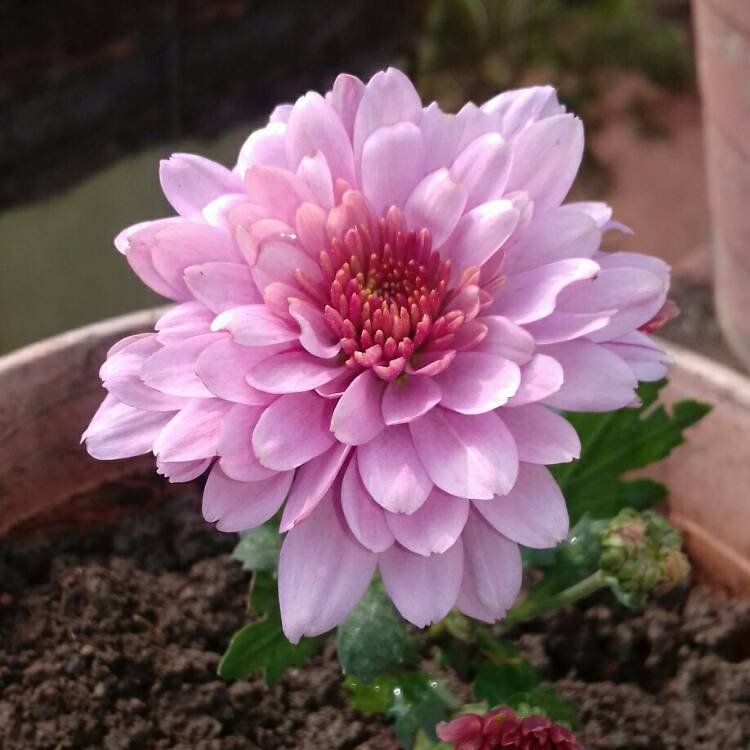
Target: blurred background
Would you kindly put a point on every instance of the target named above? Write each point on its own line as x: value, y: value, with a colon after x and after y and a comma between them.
x: 94, y: 92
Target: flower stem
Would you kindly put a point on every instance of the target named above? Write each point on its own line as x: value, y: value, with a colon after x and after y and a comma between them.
x: 529, y: 609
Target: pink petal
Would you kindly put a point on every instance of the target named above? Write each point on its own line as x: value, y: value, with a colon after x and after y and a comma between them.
x: 238, y: 460
x: 238, y: 506
x: 564, y: 326
x: 520, y: 107
x: 644, y: 357
x: 137, y: 244
x: 542, y: 437
x: 182, y: 471
x: 314, y: 126
x: 314, y: 170
x: 424, y: 589
x: 437, y: 204
x: 467, y: 456
x: 506, y: 339
x: 483, y: 168
x: 540, y: 377
x: 365, y: 517
x: 345, y: 97
x: 594, y: 379
x: 264, y: 147
x: 409, y: 397
x: 191, y: 182
x: 388, y: 98
x: 278, y: 191
x: 173, y: 368
x: 293, y: 372
x: 193, y: 433
x: 392, y: 165
x: 480, y: 234
x: 357, y: 417
x: 311, y: 483
x: 477, y: 382
x: 546, y: 157
x: 492, y: 572
x: 254, y: 325
x: 323, y: 572
x: 121, y: 376
x: 279, y: 261
x: 222, y: 368
x: 316, y: 336
x: 121, y: 431
x: 556, y: 235
x: 533, y: 513
x: 391, y: 471
x: 531, y: 295
x: 442, y: 135
x: 221, y: 286
x: 430, y: 364
x: 292, y: 430
x: 433, y: 527
x: 183, y: 322
x: 311, y: 229
x: 178, y: 246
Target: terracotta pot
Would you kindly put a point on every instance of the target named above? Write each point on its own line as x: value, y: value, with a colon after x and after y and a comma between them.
x: 723, y: 47
x: 49, y: 391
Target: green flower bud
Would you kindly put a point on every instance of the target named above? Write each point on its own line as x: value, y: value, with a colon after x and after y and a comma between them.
x: 642, y: 554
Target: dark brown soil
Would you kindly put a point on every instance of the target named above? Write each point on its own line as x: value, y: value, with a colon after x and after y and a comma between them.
x: 110, y: 641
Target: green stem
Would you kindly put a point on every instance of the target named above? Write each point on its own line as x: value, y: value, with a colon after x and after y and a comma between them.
x: 529, y: 610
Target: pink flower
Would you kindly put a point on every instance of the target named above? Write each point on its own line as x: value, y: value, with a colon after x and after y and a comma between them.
x: 501, y: 728
x: 377, y: 308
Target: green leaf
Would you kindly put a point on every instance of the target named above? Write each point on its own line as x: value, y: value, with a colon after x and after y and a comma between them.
x: 258, y: 549
x: 373, y: 637
x: 416, y: 701
x: 545, y: 700
x: 503, y: 672
x: 261, y: 645
x: 618, y: 442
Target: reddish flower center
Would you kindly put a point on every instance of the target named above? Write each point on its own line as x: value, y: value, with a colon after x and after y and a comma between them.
x: 386, y: 296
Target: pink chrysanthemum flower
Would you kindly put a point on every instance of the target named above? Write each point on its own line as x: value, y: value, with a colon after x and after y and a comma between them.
x: 501, y: 728
x: 379, y: 310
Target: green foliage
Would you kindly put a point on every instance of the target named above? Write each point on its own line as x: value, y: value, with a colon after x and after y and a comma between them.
x: 505, y: 678
x: 416, y: 701
x: 258, y: 549
x: 373, y: 637
x: 618, y: 442
x: 261, y: 645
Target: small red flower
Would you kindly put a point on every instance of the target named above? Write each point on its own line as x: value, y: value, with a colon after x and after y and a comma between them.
x: 502, y: 728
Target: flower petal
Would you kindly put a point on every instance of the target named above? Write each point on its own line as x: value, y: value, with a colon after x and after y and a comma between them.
x: 542, y: 437
x: 121, y: 431
x: 238, y: 506
x: 433, y: 527
x: 311, y: 483
x: 293, y: 372
x: 235, y: 448
x: 357, y: 417
x: 483, y: 168
x: 221, y: 286
x: 292, y: 430
x: 391, y: 471
x: 173, y: 368
x: 392, y: 165
x: 467, y: 456
x: 365, y: 517
x: 409, y: 397
x: 492, y: 572
x: 191, y: 182
x: 533, y: 513
x: 424, y: 589
x: 506, y: 339
x: 193, y: 433
x: 540, y: 377
x: 254, y: 325
x: 316, y: 336
x: 436, y: 204
x: 323, y: 572
x: 594, y: 379
x: 477, y: 382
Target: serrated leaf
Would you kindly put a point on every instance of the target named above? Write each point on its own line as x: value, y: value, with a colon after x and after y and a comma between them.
x: 618, y: 442
x: 373, y: 637
x: 258, y: 549
x: 261, y: 646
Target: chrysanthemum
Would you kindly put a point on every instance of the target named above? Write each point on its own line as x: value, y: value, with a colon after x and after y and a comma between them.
x: 379, y: 310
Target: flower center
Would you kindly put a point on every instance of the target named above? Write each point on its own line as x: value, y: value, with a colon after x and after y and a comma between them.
x: 386, y: 295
